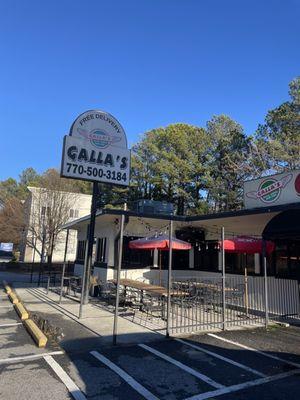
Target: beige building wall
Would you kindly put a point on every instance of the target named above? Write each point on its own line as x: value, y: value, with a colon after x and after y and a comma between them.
x: 80, y: 206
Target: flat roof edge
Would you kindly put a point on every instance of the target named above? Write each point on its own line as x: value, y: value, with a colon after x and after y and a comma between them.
x: 183, y: 218
x: 248, y: 211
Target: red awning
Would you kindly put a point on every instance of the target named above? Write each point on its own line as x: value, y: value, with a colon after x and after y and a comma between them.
x: 246, y: 244
x: 160, y: 242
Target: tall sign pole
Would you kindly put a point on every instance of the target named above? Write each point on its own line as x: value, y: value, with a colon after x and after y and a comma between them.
x: 95, y: 150
x: 90, y: 243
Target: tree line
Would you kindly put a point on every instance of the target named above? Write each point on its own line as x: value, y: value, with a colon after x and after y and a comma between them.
x: 199, y: 169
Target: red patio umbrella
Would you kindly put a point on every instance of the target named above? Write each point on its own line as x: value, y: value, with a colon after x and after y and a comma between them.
x: 247, y: 245
x: 159, y: 242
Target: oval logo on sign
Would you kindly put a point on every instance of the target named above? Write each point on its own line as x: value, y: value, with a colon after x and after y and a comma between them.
x: 99, y: 138
x: 100, y: 128
x: 269, y: 190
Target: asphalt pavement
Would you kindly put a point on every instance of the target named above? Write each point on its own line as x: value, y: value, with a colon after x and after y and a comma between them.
x: 248, y: 364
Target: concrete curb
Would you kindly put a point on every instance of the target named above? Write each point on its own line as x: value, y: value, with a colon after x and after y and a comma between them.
x: 13, y: 298
x: 36, y: 333
x: 38, y: 336
x: 7, y: 287
x: 21, y: 311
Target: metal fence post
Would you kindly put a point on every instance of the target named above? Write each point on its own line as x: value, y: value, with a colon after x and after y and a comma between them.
x: 265, y: 283
x: 48, y: 283
x: 223, y: 281
x: 169, y: 279
x: 115, y: 329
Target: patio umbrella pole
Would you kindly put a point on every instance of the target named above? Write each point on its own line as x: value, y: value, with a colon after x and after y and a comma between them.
x: 159, y: 277
x: 115, y: 331
x: 169, y: 279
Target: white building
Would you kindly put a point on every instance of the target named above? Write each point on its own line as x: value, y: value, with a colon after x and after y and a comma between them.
x: 38, y: 205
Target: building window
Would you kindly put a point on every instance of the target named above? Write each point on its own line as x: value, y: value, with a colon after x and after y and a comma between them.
x: 81, y: 250
x: 134, y: 258
x: 101, y: 250
x: 206, y: 256
x: 74, y: 213
x: 235, y: 263
x: 44, y: 210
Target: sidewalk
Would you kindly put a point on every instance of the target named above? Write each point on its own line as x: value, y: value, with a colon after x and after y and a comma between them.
x: 96, y: 324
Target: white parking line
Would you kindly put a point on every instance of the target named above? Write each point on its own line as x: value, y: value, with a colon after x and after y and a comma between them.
x: 66, y: 380
x: 241, y: 386
x: 7, y: 306
x: 183, y: 367
x: 29, y: 358
x: 255, y: 350
x: 10, y: 324
x: 216, y: 355
x: 127, y: 378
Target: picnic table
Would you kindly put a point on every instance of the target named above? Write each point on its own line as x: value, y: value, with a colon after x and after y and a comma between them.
x: 152, y: 289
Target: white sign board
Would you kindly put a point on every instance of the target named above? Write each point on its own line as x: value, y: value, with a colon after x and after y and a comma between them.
x: 273, y: 190
x: 8, y: 247
x: 82, y: 161
x: 96, y: 150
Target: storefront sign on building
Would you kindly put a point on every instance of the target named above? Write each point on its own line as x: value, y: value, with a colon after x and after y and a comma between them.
x: 273, y: 190
x: 96, y: 150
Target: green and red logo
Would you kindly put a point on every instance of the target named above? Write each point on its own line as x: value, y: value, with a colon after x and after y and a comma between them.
x: 270, y: 189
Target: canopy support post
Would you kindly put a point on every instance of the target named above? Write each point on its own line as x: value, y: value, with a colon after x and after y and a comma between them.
x: 264, y: 253
x: 84, y: 274
x: 64, y: 267
x: 223, y: 281
x: 115, y: 329
x: 169, y: 279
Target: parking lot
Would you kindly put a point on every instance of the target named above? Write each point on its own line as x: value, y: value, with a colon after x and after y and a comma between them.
x: 244, y: 364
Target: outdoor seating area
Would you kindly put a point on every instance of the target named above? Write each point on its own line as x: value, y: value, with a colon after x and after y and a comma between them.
x: 198, y: 302
x: 195, y: 303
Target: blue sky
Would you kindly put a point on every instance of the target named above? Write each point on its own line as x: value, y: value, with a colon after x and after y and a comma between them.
x: 148, y: 62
